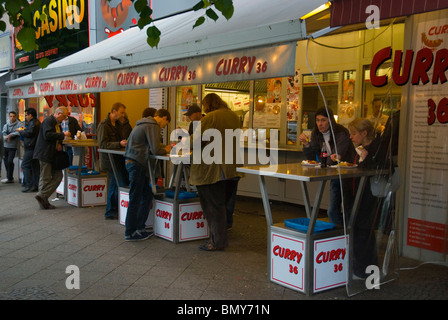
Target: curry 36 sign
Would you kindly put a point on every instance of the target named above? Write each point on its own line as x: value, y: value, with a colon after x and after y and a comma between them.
x: 260, y: 63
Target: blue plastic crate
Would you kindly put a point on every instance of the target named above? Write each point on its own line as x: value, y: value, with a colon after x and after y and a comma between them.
x: 301, y: 224
x: 182, y: 194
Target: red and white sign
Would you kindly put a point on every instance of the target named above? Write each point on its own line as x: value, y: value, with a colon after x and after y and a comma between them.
x: 192, y: 223
x: 330, y: 263
x: 163, y: 220
x: 249, y: 64
x: 93, y: 191
x: 288, y: 261
x: 123, y: 202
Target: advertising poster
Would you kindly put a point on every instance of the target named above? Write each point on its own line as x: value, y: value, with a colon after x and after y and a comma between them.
x: 427, y: 201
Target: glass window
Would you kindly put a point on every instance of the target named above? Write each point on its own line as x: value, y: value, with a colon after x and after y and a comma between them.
x: 348, y: 110
x: 235, y: 94
x: 312, y: 98
x: 80, y: 106
x: 185, y: 97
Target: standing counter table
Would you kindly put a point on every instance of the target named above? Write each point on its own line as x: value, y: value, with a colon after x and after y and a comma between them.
x: 82, y: 186
x: 178, y: 215
x: 174, y: 216
x: 310, y: 258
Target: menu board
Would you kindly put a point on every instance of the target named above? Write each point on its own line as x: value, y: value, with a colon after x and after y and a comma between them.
x: 427, y: 211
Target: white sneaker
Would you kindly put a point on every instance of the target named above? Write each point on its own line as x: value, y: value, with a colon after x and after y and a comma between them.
x: 7, y: 181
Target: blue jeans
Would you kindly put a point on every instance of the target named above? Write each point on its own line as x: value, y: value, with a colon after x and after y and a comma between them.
x: 112, y: 196
x: 334, y: 207
x: 30, y: 169
x: 140, y: 198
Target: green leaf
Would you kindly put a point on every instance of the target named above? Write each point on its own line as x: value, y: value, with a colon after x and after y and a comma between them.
x: 211, y: 14
x: 27, y: 38
x: 43, y: 63
x: 200, y: 21
x: 2, y: 25
x: 12, y: 6
x: 139, y: 5
x: 153, y: 38
x: 198, y: 6
x: 226, y: 8
x: 143, y: 22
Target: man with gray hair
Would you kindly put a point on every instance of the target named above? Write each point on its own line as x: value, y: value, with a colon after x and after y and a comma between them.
x: 48, y: 142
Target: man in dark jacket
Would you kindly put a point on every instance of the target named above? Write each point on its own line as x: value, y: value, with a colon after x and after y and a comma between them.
x: 30, y: 166
x: 109, y: 135
x: 71, y: 124
x: 143, y: 141
x: 343, y: 146
x: 48, y: 142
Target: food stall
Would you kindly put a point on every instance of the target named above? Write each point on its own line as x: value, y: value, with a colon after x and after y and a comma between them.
x: 307, y: 255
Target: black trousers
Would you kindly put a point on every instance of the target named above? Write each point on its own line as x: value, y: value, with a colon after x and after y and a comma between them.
x: 9, y: 155
x: 214, y: 199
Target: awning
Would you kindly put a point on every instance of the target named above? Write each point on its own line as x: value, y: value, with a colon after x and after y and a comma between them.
x: 257, y: 42
x: 347, y: 12
x: 21, y: 88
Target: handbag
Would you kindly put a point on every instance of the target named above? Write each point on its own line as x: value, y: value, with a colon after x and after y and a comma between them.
x: 61, y: 160
x: 381, y: 185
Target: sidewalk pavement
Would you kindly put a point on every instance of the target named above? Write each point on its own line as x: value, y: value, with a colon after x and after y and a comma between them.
x: 37, y: 246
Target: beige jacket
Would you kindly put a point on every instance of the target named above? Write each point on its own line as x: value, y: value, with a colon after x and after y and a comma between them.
x: 203, y: 173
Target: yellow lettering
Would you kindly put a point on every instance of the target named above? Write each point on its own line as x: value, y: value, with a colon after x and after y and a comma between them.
x: 52, y: 7
x: 35, y: 19
x: 44, y: 23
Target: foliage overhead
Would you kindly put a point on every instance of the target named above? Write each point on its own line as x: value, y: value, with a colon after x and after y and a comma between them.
x: 20, y: 14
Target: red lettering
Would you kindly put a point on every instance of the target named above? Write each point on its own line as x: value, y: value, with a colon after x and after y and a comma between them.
x: 187, y: 216
x: 423, y: 63
x: 72, y: 187
x: 440, y: 66
x: 404, y: 77
x: 288, y: 254
x: 96, y: 187
x: 378, y: 59
x: 333, y: 255
x: 124, y: 203
x: 163, y: 214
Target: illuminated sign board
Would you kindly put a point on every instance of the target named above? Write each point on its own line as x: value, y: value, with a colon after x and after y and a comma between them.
x: 62, y: 28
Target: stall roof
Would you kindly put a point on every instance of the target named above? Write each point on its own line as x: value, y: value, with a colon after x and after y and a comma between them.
x: 255, y: 24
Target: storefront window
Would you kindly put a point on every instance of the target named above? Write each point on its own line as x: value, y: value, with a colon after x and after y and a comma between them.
x: 312, y: 98
x: 236, y: 95
x: 81, y: 106
x: 185, y: 97
x: 348, y: 110
x: 389, y: 95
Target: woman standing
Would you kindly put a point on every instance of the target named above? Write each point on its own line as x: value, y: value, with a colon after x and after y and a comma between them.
x: 215, y: 178
x: 362, y: 134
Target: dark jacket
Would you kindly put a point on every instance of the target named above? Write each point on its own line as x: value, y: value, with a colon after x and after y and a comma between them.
x: 73, y: 126
x: 125, y: 128
x: 109, y: 137
x: 30, y: 133
x: 344, y: 145
x: 144, y: 140
x: 47, y: 139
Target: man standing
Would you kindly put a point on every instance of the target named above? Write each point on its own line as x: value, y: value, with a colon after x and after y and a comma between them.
x: 11, y: 142
x: 143, y: 141
x: 71, y: 124
x: 48, y: 142
x: 109, y: 135
x: 377, y: 117
x: 30, y: 166
x: 194, y: 113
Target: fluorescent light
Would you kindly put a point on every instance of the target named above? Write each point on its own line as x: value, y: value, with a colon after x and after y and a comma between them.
x: 317, y: 10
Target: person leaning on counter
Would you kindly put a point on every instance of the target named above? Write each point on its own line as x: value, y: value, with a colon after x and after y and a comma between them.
x: 216, y: 182
x: 110, y: 137
x: 143, y: 141
x: 322, y: 134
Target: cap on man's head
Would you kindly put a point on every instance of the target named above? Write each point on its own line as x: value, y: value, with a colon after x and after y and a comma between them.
x: 192, y: 109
